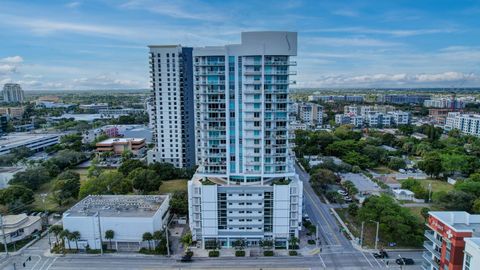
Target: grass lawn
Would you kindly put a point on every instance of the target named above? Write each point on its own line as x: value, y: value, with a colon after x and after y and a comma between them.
x: 84, y: 172
x: 382, y: 170
x: 437, y: 185
x: 171, y: 186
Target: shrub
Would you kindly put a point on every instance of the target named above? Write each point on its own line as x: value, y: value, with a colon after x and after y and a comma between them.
x: 189, y: 253
x: 311, y: 242
x: 213, y: 253
x: 268, y: 253
x: 293, y: 253
x: 240, y: 253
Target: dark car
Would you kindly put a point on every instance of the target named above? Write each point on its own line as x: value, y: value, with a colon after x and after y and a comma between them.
x: 378, y: 255
x: 384, y: 254
x: 186, y: 258
x: 405, y: 261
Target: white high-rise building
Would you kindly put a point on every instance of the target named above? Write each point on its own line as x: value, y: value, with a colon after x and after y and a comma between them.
x: 245, y: 186
x: 12, y: 92
x: 466, y: 123
x: 172, y: 104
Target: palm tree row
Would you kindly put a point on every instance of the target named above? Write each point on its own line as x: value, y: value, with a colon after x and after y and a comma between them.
x: 59, y: 232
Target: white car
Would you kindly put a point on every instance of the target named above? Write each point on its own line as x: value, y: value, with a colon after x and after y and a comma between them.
x: 342, y: 192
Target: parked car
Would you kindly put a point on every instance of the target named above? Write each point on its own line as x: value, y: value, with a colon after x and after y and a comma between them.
x: 405, y: 261
x: 342, y: 192
x: 347, y: 199
x: 186, y: 258
x: 380, y: 255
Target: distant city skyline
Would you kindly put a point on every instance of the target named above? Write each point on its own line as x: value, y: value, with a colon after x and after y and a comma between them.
x: 103, y: 44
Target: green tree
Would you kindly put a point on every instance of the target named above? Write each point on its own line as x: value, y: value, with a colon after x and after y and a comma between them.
x: 166, y: 171
x: 109, y: 235
x: 186, y: 240
x: 145, y: 180
x: 353, y: 209
x: 31, y: 178
x: 66, y: 186
x: 16, y: 197
x: 75, y: 236
x: 416, y: 187
x: 130, y: 165
x: 476, y: 206
x: 107, y: 183
x: 147, y: 237
x: 341, y: 148
x: 356, y: 159
x: 455, y: 200
x: 179, y: 203
x: 431, y: 164
x: 396, y: 163
x: 323, y: 177
x: 56, y: 230
x: 293, y: 242
x: 65, y: 234
x: 424, y: 212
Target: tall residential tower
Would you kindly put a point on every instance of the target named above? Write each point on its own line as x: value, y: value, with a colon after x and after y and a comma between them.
x: 172, y: 104
x: 245, y: 186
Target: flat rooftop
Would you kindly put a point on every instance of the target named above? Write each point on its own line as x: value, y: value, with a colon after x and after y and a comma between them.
x: 17, y: 139
x: 117, y: 206
x: 459, y: 221
x: 474, y: 241
x: 361, y: 182
x: 121, y: 141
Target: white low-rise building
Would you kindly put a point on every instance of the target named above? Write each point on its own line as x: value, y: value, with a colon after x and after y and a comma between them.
x: 403, y: 194
x: 18, y: 227
x: 128, y: 216
x: 466, y: 123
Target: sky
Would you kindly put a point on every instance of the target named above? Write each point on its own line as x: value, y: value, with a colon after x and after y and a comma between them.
x: 87, y: 44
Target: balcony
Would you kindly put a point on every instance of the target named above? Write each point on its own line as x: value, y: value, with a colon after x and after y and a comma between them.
x: 427, y: 256
x: 214, y: 63
x: 430, y: 236
x: 210, y: 83
x: 252, y: 72
x: 205, y: 73
x: 429, y: 246
x: 253, y: 82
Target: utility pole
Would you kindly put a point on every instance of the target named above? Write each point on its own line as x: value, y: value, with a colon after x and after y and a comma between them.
x: 429, y: 192
x: 100, y: 233
x: 316, y: 235
x: 376, y: 234
x: 168, y: 246
x: 4, y: 236
x: 361, y: 234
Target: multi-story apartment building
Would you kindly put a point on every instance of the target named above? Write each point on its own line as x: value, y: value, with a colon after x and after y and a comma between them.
x: 400, y: 117
x: 445, y: 239
x: 245, y: 186
x: 357, y: 99
x: 450, y: 103
x: 310, y: 113
x: 360, y: 115
x: 171, y: 71
x: 404, y: 99
x: 472, y: 253
x: 12, y: 92
x: 466, y: 123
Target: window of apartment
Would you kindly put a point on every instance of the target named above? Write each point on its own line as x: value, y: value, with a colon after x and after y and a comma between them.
x: 468, y: 261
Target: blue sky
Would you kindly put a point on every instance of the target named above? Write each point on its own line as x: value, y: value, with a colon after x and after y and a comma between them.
x: 102, y: 44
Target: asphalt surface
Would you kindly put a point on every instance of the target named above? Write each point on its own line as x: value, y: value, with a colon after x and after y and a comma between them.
x: 337, y: 252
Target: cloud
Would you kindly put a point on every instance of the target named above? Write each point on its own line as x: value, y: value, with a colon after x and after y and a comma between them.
x: 106, y: 81
x: 351, y: 42
x: 398, y: 79
x: 9, y: 64
x: 346, y: 13
x: 391, y: 32
x: 74, y: 4
x: 177, y: 9
x: 12, y: 59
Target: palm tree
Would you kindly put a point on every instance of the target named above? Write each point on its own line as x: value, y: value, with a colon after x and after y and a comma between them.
x: 75, y: 236
x: 293, y: 241
x: 65, y: 234
x: 110, y: 234
x: 157, y: 235
x: 56, y: 230
x: 147, y: 237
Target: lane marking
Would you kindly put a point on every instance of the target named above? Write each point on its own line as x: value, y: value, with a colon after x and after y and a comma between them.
x: 376, y: 260
x: 53, y: 261
x: 44, y: 263
x: 321, y: 213
x: 367, y: 259
x: 321, y: 260
x: 38, y: 261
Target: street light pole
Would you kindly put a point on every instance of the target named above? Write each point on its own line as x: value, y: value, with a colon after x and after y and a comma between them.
x: 429, y: 192
x: 376, y: 234
x: 166, y: 235
x: 44, y: 196
x: 361, y: 234
x: 4, y: 236
x: 100, y: 233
